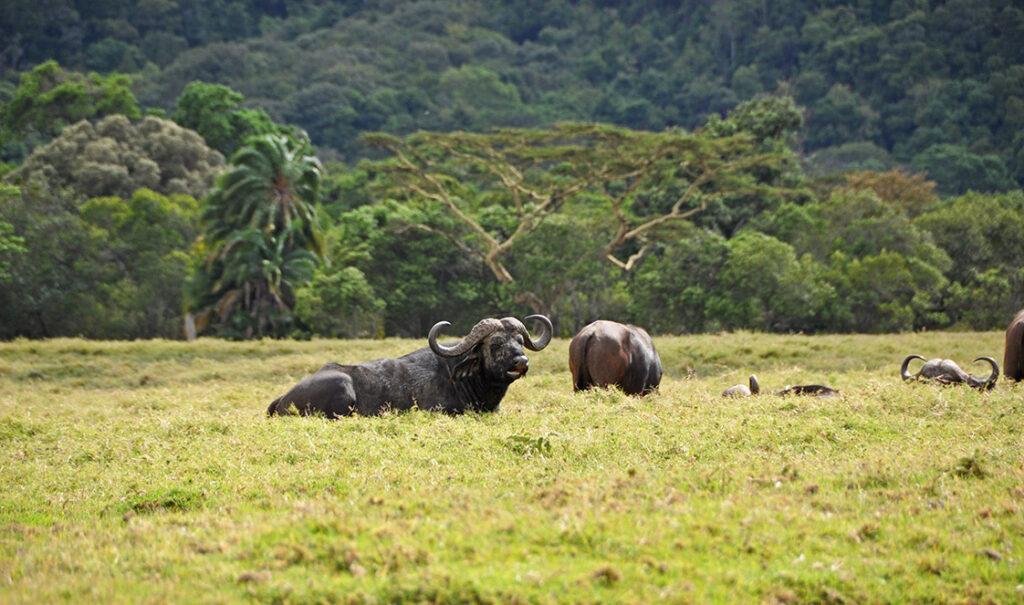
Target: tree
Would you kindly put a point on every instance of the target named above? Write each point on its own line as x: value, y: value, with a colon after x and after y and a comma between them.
x: 958, y: 170
x: 253, y: 280
x: 889, y: 292
x: 216, y: 113
x: 765, y: 286
x: 980, y: 232
x: 673, y: 286
x: 11, y: 245
x: 859, y: 224
x: 115, y: 157
x: 418, y: 272
x: 500, y: 187
x: 340, y: 304
x: 145, y: 241
x: 105, y: 268
x: 273, y: 184
x: 912, y: 193
x: 49, y: 98
x: 840, y: 116
x: 260, y: 224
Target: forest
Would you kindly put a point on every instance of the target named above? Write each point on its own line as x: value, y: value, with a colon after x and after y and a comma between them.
x: 364, y: 169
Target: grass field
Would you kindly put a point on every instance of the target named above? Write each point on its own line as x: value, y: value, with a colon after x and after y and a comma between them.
x: 147, y: 472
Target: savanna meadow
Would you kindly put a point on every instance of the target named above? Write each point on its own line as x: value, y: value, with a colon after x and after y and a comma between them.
x: 148, y: 472
x: 327, y: 302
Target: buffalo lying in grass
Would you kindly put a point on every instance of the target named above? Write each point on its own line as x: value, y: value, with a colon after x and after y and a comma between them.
x: 808, y: 390
x: 805, y: 390
x: 742, y: 390
x: 471, y: 375
x: 945, y: 371
x: 607, y: 353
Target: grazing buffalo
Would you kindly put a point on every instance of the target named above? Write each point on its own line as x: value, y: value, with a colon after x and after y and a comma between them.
x: 607, y: 353
x: 945, y: 371
x: 1013, y: 358
x: 742, y: 390
x: 471, y: 375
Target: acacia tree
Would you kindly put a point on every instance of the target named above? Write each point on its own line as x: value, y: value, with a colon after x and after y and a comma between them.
x: 261, y: 228
x: 499, y: 187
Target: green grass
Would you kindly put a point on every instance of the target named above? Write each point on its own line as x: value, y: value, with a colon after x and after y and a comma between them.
x: 147, y: 472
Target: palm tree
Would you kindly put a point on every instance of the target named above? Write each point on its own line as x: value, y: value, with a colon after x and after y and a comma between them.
x: 273, y: 182
x: 260, y: 224
x: 256, y: 275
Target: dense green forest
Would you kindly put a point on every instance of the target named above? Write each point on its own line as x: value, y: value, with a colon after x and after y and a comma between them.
x: 366, y: 168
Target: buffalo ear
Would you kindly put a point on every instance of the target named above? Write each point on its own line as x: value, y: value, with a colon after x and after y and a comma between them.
x: 467, y: 366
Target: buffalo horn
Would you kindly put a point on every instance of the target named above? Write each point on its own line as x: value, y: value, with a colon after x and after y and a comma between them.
x: 755, y: 386
x: 545, y: 335
x: 906, y: 363
x: 994, y: 376
x: 483, y: 329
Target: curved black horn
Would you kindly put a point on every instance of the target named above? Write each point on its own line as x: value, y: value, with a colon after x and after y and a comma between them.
x: 906, y: 363
x: 482, y: 329
x: 545, y: 335
x: 755, y: 386
x: 994, y: 376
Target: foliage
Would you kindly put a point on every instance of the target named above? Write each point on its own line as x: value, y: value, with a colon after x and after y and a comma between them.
x: 260, y: 223
x: 115, y: 157
x: 107, y: 268
x: 680, y: 280
x: 340, y: 304
x: 49, y: 98
x: 764, y: 285
x: 958, y: 169
x: 899, y: 77
x: 689, y: 167
x: 11, y: 245
x: 274, y: 186
x: 912, y: 193
x: 414, y: 269
x: 216, y: 113
x: 501, y: 187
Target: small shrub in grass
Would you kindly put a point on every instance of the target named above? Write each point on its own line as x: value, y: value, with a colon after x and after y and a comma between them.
x: 165, y: 499
x: 527, y: 446
x: 970, y: 467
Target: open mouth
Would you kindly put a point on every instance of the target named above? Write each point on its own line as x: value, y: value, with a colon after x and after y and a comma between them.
x: 514, y: 374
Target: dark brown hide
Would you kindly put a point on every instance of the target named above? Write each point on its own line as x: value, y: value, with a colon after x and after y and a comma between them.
x: 1013, y: 358
x: 607, y: 353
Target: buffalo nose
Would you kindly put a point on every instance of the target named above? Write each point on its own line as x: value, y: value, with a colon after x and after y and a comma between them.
x: 522, y: 364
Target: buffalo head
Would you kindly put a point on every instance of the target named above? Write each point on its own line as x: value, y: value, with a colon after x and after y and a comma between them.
x: 945, y: 371
x: 493, y: 348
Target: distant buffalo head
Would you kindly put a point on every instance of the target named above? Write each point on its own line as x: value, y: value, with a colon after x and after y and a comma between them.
x: 493, y: 348
x: 945, y: 371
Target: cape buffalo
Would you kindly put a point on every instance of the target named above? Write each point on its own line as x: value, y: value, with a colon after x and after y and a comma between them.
x: 608, y: 353
x: 1013, y: 358
x: 945, y: 371
x: 471, y: 375
x: 742, y: 390
x: 808, y: 390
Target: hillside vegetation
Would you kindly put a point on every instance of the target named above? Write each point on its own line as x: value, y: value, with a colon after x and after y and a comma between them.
x: 363, y: 169
x: 933, y: 84
x: 147, y: 472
